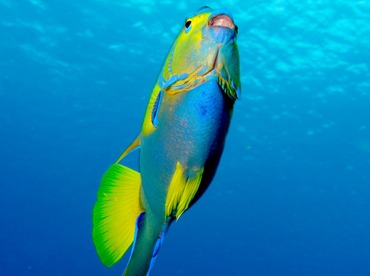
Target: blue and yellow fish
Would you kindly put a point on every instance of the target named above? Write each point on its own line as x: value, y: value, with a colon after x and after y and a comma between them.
x: 181, y: 142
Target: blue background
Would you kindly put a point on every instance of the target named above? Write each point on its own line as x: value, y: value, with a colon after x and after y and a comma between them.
x: 292, y: 192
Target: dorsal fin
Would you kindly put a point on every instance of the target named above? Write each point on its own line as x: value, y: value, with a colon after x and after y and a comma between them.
x: 156, y: 107
x: 135, y: 144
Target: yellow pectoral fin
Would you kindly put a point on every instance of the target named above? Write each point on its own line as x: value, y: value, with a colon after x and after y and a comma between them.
x: 136, y: 143
x: 181, y: 191
x: 187, y: 83
x: 115, y: 213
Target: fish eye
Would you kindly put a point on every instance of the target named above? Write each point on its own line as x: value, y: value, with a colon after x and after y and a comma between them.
x: 187, y: 24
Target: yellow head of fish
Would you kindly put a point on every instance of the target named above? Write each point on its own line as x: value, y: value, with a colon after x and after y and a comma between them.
x: 205, y: 48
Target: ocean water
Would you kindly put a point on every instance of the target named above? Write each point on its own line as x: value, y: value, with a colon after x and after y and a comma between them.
x: 292, y: 192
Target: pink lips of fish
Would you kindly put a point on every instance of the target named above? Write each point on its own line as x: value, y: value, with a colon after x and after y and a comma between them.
x: 222, y: 20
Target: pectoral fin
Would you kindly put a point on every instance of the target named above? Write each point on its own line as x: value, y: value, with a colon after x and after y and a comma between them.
x: 115, y: 213
x: 181, y: 191
x: 184, y: 82
x: 228, y: 73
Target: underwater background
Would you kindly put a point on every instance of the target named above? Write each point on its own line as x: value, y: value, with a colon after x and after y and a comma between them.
x: 292, y: 192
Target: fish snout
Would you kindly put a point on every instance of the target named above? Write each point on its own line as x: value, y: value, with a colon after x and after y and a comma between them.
x: 222, y: 20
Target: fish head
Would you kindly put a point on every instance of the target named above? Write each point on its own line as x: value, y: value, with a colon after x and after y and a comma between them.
x: 205, y: 49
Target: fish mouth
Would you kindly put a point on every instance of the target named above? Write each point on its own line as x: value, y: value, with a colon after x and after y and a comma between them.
x: 222, y: 20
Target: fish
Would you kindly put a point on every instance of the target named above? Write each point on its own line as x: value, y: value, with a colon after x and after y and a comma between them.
x: 180, y: 144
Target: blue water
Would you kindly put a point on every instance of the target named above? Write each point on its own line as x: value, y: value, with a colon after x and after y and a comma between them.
x: 292, y: 192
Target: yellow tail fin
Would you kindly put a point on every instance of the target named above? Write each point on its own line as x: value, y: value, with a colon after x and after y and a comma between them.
x: 115, y: 213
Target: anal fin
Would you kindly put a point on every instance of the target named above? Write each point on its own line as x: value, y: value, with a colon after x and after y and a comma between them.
x: 181, y: 191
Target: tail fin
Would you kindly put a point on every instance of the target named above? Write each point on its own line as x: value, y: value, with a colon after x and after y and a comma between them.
x: 146, y: 245
x: 115, y: 213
